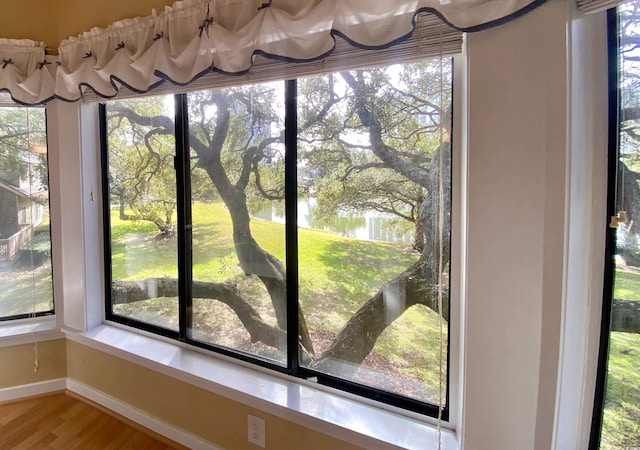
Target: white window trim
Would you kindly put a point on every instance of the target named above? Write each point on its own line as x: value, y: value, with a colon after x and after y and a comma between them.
x: 28, y: 331
x: 586, y: 214
x: 95, y: 311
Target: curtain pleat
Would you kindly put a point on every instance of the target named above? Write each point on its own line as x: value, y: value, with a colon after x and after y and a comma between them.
x: 25, y: 73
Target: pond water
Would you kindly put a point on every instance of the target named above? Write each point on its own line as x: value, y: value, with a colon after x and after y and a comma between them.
x: 372, y: 225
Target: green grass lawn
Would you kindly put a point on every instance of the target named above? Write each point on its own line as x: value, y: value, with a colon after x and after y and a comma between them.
x: 23, y: 290
x: 627, y: 285
x: 621, y: 424
x: 337, y: 275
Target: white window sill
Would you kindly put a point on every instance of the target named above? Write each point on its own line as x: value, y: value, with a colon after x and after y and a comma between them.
x: 295, y: 400
x: 28, y: 331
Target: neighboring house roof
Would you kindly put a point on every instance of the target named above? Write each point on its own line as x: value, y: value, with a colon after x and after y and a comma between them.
x: 39, y: 196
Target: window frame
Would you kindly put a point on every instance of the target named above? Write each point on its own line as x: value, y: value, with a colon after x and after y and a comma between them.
x: 183, y: 197
x: 609, y: 266
x: 51, y: 313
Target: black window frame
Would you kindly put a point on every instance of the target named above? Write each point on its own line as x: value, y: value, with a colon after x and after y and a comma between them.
x: 613, y: 131
x: 184, y: 230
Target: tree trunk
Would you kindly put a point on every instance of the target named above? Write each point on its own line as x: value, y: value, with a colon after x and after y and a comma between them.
x: 416, y: 285
x: 418, y: 237
x: 252, y: 258
x: 256, y: 261
x: 121, y: 208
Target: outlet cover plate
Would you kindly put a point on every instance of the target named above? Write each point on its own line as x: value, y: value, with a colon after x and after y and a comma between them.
x: 256, y: 430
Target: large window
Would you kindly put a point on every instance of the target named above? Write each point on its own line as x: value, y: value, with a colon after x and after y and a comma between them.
x: 25, y: 239
x: 616, y: 421
x: 301, y: 225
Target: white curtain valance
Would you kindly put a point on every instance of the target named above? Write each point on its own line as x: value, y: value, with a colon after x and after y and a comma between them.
x: 25, y: 72
x: 431, y: 38
x: 196, y: 37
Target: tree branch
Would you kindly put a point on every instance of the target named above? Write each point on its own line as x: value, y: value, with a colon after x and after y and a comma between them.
x: 361, y: 167
x: 135, y: 291
x: 380, y: 149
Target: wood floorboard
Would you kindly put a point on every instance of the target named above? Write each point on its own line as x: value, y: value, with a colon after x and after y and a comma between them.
x: 8, y: 414
x: 66, y: 421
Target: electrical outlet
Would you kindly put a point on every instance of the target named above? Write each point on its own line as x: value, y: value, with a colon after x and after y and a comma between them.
x: 256, y: 430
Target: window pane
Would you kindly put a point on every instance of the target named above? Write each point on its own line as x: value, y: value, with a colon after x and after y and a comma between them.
x: 25, y: 238
x: 373, y: 170
x: 142, y: 205
x: 621, y: 420
x: 237, y: 185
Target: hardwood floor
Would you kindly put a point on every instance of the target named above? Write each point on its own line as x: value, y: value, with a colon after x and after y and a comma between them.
x: 65, y: 421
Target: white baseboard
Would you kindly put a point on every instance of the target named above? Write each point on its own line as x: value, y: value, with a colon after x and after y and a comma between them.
x: 138, y: 416
x: 30, y: 390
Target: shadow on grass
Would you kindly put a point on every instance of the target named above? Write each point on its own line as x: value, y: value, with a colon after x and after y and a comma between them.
x: 142, y: 254
x: 356, y: 269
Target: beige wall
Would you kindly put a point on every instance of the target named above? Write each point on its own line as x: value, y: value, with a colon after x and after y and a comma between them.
x: 197, y: 411
x: 17, y: 363
x: 52, y: 21
x: 29, y: 19
x: 75, y: 16
x: 517, y: 154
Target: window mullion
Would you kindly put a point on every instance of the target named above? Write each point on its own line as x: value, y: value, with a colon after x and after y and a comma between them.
x: 183, y: 202
x: 291, y: 213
